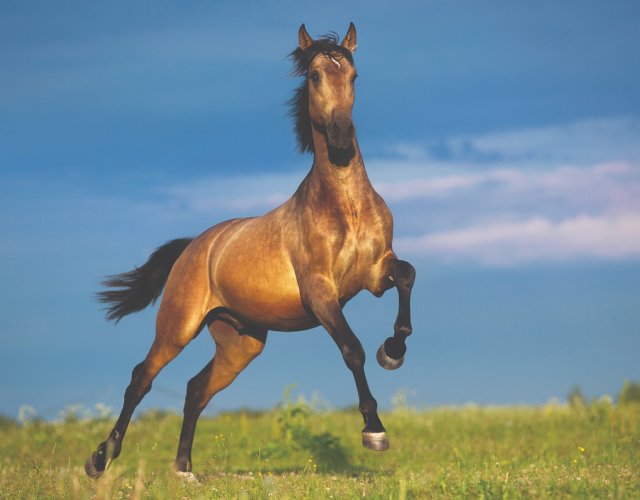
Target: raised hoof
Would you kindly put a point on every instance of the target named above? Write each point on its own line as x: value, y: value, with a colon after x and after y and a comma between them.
x: 91, y: 467
x: 376, y: 441
x: 386, y: 361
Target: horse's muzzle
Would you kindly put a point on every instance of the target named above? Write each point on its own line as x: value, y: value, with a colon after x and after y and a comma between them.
x: 341, y: 131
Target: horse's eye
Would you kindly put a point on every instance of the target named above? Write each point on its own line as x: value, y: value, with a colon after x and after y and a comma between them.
x: 353, y: 78
x: 315, y: 77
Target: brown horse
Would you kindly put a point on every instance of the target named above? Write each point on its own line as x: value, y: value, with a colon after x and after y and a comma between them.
x: 292, y: 269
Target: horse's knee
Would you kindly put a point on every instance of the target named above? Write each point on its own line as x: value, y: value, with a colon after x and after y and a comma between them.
x: 404, y: 274
x: 398, y: 273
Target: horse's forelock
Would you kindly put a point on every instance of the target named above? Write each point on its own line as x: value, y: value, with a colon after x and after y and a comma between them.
x: 327, y: 44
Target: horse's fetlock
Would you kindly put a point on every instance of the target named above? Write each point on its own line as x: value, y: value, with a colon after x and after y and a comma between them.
x: 404, y: 330
x: 183, y: 464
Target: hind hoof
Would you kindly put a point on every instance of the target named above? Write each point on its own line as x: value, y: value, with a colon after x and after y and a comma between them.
x: 187, y: 477
x: 386, y: 361
x: 91, y: 467
x: 376, y: 441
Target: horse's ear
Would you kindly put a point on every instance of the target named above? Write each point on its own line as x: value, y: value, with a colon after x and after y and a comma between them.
x: 349, y: 41
x: 304, y: 40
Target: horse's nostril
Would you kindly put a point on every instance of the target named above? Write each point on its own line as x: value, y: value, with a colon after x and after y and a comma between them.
x: 341, y: 131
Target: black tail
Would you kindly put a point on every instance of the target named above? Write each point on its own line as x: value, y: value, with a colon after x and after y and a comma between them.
x: 135, y: 290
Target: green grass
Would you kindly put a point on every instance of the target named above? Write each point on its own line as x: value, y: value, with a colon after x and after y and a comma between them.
x: 291, y: 452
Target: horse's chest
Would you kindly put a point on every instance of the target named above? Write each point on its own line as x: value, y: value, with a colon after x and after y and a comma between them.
x: 362, y: 245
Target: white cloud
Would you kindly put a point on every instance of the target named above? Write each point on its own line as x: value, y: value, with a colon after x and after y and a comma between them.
x: 508, y: 216
x: 608, y: 237
x: 582, y: 142
x: 561, y: 192
x: 615, y: 183
x: 586, y: 141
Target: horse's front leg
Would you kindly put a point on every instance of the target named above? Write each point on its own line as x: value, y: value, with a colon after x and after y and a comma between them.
x: 320, y: 296
x: 391, y: 353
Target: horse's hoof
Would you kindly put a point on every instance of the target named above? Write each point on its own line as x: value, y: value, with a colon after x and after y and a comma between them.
x: 187, y: 477
x: 91, y: 467
x: 386, y: 361
x: 376, y: 441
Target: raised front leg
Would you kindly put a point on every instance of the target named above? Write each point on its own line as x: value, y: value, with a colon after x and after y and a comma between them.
x: 320, y: 296
x: 391, y: 353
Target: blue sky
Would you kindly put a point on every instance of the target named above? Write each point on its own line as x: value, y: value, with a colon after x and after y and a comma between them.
x: 505, y: 138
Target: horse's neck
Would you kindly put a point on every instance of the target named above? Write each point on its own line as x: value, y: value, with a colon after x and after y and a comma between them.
x: 348, y: 183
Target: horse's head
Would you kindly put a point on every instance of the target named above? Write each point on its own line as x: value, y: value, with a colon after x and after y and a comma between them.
x: 325, y: 99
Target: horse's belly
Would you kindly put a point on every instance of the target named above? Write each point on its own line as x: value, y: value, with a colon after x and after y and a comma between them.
x: 271, y: 307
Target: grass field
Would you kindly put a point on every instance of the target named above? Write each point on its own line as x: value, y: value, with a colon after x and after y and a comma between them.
x: 293, y: 452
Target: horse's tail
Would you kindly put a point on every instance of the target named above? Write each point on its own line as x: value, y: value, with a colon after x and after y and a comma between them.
x: 135, y: 290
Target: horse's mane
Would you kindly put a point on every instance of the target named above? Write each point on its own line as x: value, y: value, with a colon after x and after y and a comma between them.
x: 299, y: 103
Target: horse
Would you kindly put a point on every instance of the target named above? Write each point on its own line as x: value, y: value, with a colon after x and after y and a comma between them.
x: 292, y: 269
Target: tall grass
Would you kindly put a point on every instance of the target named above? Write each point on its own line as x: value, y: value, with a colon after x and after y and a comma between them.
x: 592, y: 450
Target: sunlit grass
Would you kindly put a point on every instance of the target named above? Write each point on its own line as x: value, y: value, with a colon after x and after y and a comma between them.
x: 292, y: 452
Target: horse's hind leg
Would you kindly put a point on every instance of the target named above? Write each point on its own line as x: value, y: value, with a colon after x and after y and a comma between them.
x: 171, y: 337
x: 391, y: 353
x: 233, y: 353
